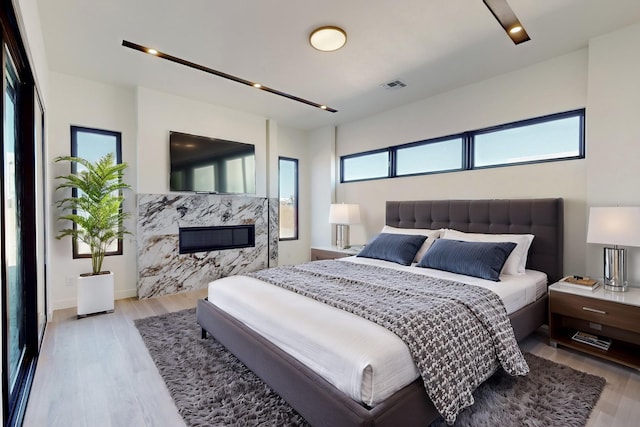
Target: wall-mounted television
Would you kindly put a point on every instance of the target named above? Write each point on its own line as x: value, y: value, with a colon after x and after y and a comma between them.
x: 211, y: 165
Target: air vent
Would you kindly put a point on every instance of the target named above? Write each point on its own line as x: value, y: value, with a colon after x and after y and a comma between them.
x: 396, y: 84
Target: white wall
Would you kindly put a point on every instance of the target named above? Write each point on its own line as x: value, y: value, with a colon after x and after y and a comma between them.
x: 293, y: 143
x: 322, y: 155
x: 158, y: 113
x: 613, y: 152
x: 80, y: 102
x: 549, y: 87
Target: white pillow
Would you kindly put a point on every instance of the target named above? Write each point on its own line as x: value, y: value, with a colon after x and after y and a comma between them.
x: 515, y: 264
x: 432, y: 235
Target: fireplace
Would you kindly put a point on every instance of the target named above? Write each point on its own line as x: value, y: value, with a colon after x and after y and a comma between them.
x: 185, y: 240
x: 217, y: 238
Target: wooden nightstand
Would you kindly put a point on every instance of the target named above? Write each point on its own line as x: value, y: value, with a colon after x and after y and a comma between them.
x: 332, y: 252
x: 614, y: 315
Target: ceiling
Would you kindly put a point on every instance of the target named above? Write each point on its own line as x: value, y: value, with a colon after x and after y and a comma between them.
x: 431, y: 45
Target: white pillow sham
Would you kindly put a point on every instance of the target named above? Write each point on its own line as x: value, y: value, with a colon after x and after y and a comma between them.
x: 432, y: 235
x: 515, y: 264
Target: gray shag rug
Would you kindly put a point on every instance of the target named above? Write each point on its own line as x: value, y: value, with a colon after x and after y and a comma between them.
x: 210, y: 387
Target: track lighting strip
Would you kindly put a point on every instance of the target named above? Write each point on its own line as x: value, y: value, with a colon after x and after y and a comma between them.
x: 151, y: 51
x: 508, y: 20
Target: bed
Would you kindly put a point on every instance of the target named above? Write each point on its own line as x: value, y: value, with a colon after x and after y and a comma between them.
x: 320, y: 402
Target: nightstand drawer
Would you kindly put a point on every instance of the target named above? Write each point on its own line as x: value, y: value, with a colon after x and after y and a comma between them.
x: 609, y: 313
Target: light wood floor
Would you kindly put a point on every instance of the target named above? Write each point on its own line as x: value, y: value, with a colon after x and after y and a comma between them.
x: 97, y: 372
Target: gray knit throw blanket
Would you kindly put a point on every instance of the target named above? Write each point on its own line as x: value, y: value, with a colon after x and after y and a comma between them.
x: 458, y: 334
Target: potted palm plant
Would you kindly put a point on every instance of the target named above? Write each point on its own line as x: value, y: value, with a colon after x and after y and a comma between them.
x: 95, y: 210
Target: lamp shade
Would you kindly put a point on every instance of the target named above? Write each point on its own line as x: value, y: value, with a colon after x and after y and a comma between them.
x: 614, y: 226
x: 344, y: 214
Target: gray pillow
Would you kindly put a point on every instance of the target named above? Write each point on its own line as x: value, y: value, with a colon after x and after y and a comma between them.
x: 398, y: 248
x: 477, y: 259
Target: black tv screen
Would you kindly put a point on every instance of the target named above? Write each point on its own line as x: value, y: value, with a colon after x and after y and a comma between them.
x: 211, y: 165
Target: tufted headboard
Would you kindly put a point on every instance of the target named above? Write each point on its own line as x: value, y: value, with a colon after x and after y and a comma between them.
x: 543, y: 218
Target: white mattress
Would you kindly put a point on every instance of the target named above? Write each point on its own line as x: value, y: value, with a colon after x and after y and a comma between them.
x: 362, y: 359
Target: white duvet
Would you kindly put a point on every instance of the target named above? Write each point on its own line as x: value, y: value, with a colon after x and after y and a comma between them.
x: 362, y: 359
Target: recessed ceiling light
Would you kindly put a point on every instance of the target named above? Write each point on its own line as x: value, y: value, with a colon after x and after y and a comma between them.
x: 152, y: 51
x: 328, y: 39
x: 257, y: 85
x: 515, y: 29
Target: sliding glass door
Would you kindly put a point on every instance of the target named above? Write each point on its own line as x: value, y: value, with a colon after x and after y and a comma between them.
x: 13, y: 267
x: 41, y: 214
x: 22, y: 219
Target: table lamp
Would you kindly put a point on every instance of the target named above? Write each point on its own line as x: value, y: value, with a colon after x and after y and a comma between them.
x: 343, y: 215
x: 614, y: 226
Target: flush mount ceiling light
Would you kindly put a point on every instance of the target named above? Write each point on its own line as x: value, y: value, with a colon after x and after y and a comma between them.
x: 190, y: 64
x: 328, y: 39
x: 509, y: 21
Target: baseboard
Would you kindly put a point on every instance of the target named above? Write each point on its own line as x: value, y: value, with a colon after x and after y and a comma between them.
x: 63, y: 303
x: 127, y: 293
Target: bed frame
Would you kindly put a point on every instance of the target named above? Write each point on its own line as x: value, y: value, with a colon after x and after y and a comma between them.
x: 319, y: 402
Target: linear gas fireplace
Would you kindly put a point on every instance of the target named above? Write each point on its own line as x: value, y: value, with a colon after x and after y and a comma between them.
x: 217, y: 238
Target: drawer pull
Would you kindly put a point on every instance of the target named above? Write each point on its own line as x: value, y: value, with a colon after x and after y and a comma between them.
x: 593, y: 310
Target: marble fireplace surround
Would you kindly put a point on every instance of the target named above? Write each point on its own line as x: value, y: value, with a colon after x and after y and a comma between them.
x: 162, y: 270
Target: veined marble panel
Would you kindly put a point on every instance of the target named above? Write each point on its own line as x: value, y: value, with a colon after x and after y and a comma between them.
x: 162, y: 270
x: 274, y: 230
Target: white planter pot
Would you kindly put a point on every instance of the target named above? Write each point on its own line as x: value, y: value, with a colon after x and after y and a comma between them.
x: 95, y: 294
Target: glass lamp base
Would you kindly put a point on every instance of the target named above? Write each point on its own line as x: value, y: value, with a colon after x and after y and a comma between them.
x: 616, y: 288
x: 342, y: 236
x: 615, y: 269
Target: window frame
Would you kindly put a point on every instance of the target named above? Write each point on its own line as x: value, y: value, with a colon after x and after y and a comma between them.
x: 456, y: 137
x: 74, y: 193
x: 296, y: 205
x: 367, y: 153
x: 468, y: 147
x: 580, y: 113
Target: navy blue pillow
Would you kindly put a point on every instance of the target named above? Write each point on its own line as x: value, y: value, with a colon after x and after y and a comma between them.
x: 477, y: 259
x: 398, y: 248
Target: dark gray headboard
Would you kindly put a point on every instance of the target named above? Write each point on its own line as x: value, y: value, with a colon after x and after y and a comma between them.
x: 543, y: 218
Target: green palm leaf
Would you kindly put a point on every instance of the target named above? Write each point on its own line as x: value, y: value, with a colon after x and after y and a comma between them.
x: 96, y: 210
